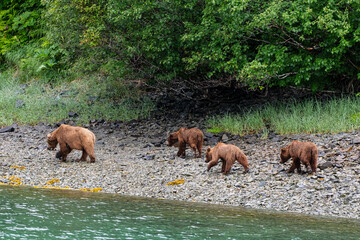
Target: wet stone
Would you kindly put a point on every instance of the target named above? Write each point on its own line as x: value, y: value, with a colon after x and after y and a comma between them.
x: 149, y: 157
x: 7, y: 129
x: 325, y: 165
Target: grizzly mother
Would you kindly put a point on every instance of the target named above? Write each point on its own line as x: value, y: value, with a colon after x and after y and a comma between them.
x: 69, y: 137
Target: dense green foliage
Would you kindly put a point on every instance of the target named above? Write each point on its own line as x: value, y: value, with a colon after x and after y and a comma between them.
x: 19, y: 23
x: 250, y: 43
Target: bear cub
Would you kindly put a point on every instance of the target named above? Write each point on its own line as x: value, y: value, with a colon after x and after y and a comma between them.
x: 304, y: 152
x: 193, y: 137
x: 228, y: 154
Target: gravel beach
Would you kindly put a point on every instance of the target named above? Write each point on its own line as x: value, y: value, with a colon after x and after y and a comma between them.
x: 133, y: 159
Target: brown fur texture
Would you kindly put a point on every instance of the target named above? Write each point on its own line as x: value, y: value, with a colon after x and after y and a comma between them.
x: 193, y: 137
x: 69, y: 137
x: 228, y: 154
x: 304, y: 152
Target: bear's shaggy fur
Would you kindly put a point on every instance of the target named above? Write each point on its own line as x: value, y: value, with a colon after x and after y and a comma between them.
x: 194, y: 137
x: 227, y: 153
x: 69, y: 137
x: 305, y: 152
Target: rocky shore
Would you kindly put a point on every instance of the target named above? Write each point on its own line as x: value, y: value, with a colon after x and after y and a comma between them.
x: 133, y: 159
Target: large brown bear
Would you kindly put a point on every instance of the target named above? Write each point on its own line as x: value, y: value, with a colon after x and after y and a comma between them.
x: 193, y: 136
x: 69, y: 137
x: 227, y: 153
x: 305, y: 152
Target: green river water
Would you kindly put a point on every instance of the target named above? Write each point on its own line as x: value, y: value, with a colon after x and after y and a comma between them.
x: 27, y: 213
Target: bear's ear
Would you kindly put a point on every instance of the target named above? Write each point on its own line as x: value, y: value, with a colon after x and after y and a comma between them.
x: 208, y: 149
x: 50, y: 137
x: 283, y: 149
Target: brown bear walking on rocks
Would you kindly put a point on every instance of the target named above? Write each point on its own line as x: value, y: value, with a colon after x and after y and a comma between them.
x: 69, y: 137
x: 228, y: 154
x: 193, y: 137
x: 305, y: 152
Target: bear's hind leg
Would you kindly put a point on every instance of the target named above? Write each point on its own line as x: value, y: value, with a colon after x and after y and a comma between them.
x: 193, y: 147
x: 199, y: 148
x: 243, y: 161
x: 308, y: 167
x: 227, y: 168
x: 223, y: 166
x: 313, y: 162
x: 92, y: 157
x: 83, y: 156
x: 89, y: 151
x: 313, y: 167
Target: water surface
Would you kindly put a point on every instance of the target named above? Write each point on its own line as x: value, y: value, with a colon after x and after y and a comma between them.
x: 27, y: 213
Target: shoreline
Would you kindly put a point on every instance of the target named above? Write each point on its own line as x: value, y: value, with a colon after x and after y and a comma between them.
x: 135, y: 161
x: 225, y: 207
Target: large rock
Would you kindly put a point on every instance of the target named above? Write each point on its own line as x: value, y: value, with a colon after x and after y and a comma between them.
x: 224, y: 138
x: 8, y: 129
x: 325, y: 165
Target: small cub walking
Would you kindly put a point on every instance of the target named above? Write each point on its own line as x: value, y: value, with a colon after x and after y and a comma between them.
x: 227, y: 153
x: 193, y: 136
x: 304, y: 152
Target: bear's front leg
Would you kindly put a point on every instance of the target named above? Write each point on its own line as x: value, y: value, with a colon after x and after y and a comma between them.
x: 64, y: 151
x: 297, y: 164
x: 223, y: 165
x: 181, y: 152
x: 211, y: 164
x: 292, y: 168
x: 228, y: 167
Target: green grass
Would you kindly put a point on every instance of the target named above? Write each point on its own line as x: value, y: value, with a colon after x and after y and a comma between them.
x: 310, y: 116
x: 91, y: 98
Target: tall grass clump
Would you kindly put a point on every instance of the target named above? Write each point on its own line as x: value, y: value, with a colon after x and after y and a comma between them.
x: 237, y: 124
x: 90, y: 98
x: 308, y: 116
